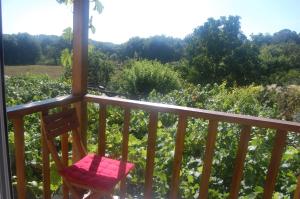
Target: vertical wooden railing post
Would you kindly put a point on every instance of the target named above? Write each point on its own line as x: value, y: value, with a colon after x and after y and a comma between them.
x: 46, y: 163
x: 150, y: 154
x: 65, y: 157
x: 208, y: 158
x: 297, y: 191
x: 239, y: 162
x: 278, y: 148
x: 125, y: 149
x: 102, y: 129
x: 80, y: 62
x: 18, y: 125
x: 179, y: 146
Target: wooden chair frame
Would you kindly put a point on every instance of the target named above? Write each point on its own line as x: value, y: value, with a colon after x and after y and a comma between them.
x: 58, y: 124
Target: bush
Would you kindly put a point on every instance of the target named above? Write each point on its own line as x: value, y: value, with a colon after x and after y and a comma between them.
x: 141, y: 77
x: 100, y: 68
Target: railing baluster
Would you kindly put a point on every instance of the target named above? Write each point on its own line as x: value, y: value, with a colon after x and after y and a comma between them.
x: 208, y: 158
x: 278, y: 148
x: 18, y: 124
x: 150, y: 154
x: 239, y: 162
x: 102, y: 129
x: 125, y: 148
x: 179, y: 146
x: 65, y: 157
x: 297, y: 191
x: 46, y: 164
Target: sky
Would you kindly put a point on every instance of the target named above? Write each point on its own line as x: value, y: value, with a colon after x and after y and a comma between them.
x: 123, y: 19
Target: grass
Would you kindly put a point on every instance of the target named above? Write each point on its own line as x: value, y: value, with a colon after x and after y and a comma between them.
x: 53, y: 71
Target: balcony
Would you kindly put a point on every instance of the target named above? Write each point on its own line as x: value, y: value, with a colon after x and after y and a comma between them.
x: 247, y: 123
x: 79, y: 98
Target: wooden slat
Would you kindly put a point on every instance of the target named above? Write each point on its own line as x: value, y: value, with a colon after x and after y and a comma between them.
x: 239, y: 162
x: 278, y: 149
x: 297, y: 191
x: 18, y: 124
x: 208, y: 158
x: 125, y: 149
x: 34, y: 107
x: 198, y: 113
x: 179, y: 146
x: 150, y: 154
x: 102, y: 129
x: 65, y: 157
x: 46, y: 164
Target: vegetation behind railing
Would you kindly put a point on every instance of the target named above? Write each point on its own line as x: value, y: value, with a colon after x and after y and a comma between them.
x: 243, y: 100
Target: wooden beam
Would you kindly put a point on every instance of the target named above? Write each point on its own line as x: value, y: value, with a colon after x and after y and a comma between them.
x: 80, y: 47
x: 125, y: 149
x: 197, y: 113
x: 278, y: 149
x: 239, y: 162
x: 18, y: 124
x: 102, y: 130
x: 80, y: 61
x: 150, y: 154
x: 46, y: 163
x: 179, y: 147
x: 208, y: 158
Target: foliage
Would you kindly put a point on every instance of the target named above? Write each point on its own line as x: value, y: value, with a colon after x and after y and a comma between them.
x: 66, y: 62
x: 24, y: 89
x: 100, y: 68
x: 254, y: 100
x: 141, y: 77
x: 278, y: 59
x: 161, y: 48
x: 21, y: 48
x: 218, y: 51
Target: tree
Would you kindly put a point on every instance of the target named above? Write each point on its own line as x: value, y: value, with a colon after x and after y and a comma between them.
x: 100, y: 68
x: 21, y: 48
x: 218, y: 51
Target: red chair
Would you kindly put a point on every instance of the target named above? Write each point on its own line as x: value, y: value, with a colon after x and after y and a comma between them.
x: 92, y: 172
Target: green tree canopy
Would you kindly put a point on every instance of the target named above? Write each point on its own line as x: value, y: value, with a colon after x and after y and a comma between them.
x: 218, y: 51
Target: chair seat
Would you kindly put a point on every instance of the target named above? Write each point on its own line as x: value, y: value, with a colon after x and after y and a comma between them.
x: 97, y: 172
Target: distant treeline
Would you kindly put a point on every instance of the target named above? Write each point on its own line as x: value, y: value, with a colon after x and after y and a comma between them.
x: 215, y: 52
x: 24, y: 49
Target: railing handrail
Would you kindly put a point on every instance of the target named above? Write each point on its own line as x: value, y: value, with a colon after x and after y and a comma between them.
x: 38, y: 106
x: 195, y: 112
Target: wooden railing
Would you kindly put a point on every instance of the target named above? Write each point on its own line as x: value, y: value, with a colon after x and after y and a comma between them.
x: 17, y: 113
x: 214, y: 118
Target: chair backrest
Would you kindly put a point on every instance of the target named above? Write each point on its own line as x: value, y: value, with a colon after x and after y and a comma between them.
x: 59, y: 124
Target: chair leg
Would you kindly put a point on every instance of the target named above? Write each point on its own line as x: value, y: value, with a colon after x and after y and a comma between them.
x: 94, y: 195
x: 99, y: 195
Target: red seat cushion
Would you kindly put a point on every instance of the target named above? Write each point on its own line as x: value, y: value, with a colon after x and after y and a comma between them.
x: 97, y: 172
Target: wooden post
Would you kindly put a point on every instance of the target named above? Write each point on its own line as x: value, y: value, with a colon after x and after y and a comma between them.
x: 208, y: 158
x: 102, y: 130
x: 80, y: 61
x: 46, y: 163
x: 150, y: 154
x: 125, y: 149
x: 278, y: 149
x: 18, y: 124
x: 239, y: 162
x: 179, y: 147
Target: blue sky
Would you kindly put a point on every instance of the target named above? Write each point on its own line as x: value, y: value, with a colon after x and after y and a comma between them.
x: 123, y: 19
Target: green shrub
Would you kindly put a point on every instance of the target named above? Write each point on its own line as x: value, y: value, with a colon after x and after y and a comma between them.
x: 141, y: 77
